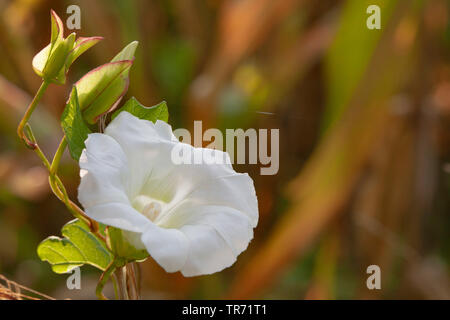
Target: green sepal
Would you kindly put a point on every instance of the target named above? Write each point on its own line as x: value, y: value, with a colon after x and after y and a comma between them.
x: 122, y: 248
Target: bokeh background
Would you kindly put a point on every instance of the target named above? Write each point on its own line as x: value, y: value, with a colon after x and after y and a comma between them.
x: 364, y: 119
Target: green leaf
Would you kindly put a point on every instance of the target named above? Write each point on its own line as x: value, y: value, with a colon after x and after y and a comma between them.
x: 122, y: 248
x: 157, y: 112
x: 74, y: 127
x: 78, y: 247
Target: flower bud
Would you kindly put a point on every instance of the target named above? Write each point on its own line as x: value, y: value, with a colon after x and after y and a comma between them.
x: 101, y: 89
x: 52, y: 63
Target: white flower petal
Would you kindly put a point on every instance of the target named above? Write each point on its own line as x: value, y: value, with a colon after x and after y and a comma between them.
x: 164, y: 131
x: 232, y: 225
x: 119, y: 215
x: 126, y: 125
x: 147, y: 146
x: 235, y: 191
x: 208, y: 251
x: 206, y: 212
x: 169, y: 247
x: 104, y: 168
x: 213, y: 237
x: 102, y: 189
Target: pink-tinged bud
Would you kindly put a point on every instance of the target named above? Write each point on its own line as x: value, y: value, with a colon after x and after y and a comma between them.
x: 101, y: 89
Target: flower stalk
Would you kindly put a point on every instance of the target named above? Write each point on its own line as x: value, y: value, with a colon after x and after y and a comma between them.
x: 25, y: 133
x: 60, y: 191
x: 103, y: 279
x: 124, y: 279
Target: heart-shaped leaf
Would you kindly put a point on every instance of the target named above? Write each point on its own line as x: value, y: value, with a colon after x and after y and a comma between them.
x: 74, y: 127
x: 157, y: 112
x: 78, y: 247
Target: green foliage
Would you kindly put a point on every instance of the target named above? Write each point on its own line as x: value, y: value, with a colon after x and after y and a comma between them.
x: 78, y: 247
x: 350, y: 54
x: 157, y: 112
x: 74, y: 127
x: 173, y: 62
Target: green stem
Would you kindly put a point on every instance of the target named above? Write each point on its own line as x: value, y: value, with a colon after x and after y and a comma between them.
x: 103, y: 278
x: 56, y: 184
x: 37, y: 149
x: 119, y: 275
x: 137, y: 272
x: 28, y: 113
x: 125, y: 282
x: 115, y: 285
x: 60, y: 191
x: 57, y: 158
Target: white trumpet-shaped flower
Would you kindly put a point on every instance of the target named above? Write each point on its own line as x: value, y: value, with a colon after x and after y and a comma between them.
x: 191, y: 218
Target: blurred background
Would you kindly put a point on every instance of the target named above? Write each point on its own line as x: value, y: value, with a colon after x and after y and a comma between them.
x: 364, y: 119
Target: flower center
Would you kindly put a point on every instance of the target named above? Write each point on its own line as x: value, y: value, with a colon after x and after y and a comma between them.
x: 149, y: 207
x: 152, y: 210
